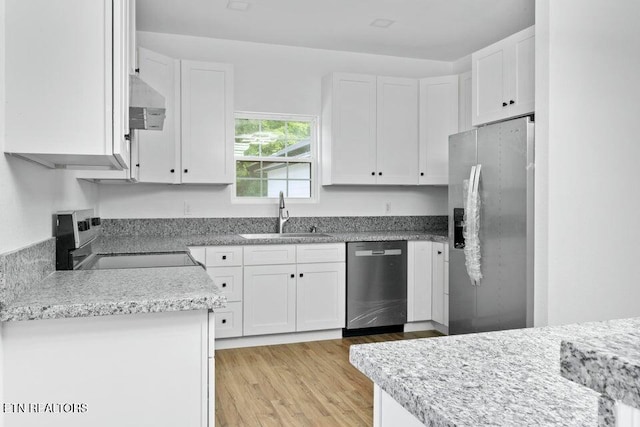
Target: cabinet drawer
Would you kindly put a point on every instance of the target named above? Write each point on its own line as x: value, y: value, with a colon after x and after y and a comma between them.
x: 224, y: 256
x: 228, y: 320
x: 229, y: 280
x: 324, y: 252
x: 269, y: 254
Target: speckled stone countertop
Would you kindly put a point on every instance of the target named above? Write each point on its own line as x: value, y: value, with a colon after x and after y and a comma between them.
x: 125, y: 291
x: 506, y: 378
x: 119, y: 291
x: 141, y: 244
x: 608, y: 364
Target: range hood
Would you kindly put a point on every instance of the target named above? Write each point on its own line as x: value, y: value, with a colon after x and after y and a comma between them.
x: 146, y: 106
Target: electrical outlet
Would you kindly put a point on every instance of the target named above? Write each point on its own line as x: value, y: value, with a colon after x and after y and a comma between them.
x: 387, y: 207
x: 187, y: 208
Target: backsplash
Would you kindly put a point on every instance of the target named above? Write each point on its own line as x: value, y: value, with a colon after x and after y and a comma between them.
x: 194, y: 226
x: 23, y: 267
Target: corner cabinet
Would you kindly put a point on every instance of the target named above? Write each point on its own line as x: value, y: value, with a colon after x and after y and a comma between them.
x: 195, y: 145
x: 503, y: 78
x: 438, y: 120
x: 67, y: 82
x: 369, y: 130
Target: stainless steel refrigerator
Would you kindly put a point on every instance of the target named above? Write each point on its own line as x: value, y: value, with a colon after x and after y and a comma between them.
x: 502, y: 155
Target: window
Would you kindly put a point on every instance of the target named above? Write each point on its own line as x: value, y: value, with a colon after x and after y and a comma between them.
x: 274, y: 153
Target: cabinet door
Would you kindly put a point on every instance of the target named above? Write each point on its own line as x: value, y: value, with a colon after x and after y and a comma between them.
x: 522, y: 72
x: 464, y: 102
x: 349, y: 141
x: 269, y: 299
x: 207, y: 122
x: 489, y: 96
x: 397, y: 131
x: 438, y: 275
x: 121, y: 57
x: 438, y: 120
x: 320, y: 296
x: 159, y: 149
x: 419, y: 281
x: 60, y: 70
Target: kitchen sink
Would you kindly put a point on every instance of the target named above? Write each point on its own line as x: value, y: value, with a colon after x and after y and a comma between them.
x: 282, y: 236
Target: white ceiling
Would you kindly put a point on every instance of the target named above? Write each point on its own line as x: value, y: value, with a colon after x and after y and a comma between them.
x: 429, y: 29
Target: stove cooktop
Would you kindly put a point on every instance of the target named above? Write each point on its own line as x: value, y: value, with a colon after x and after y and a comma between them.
x: 147, y: 260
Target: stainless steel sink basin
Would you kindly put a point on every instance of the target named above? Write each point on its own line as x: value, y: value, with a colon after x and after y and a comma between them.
x: 282, y: 236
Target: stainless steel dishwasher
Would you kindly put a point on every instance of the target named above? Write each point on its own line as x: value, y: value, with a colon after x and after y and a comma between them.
x: 376, y: 287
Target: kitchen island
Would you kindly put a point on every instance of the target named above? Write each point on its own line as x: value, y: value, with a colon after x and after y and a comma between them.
x: 506, y: 378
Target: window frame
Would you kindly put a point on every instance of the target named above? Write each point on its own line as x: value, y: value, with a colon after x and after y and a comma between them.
x: 312, y: 161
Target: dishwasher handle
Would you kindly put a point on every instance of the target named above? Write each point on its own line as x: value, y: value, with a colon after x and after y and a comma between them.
x: 383, y: 252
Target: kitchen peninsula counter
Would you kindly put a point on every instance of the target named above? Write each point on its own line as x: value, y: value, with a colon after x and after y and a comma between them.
x: 87, y: 293
x: 501, y: 378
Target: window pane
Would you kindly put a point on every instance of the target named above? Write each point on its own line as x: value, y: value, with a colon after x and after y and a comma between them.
x: 299, y: 171
x: 251, y: 188
x: 275, y: 186
x: 245, y: 129
x: 299, y: 189
x: 274, y: 170
x: 246, y: 169
x: 274, y: 148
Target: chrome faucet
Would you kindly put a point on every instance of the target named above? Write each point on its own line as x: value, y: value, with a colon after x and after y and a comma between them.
x: 282, y: 218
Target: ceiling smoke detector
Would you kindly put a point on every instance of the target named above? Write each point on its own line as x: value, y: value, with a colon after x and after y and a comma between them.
x: 238, y: 5
x: 382, y: 23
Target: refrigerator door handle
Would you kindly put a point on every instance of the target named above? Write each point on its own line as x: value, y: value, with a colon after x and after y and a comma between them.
x: 472, y: 227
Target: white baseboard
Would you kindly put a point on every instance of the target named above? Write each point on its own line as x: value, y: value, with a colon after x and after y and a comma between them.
x: 259, y: 340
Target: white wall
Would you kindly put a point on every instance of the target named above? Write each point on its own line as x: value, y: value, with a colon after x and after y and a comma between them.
x: 29, y: 194
x: 278, y: 79
x: 587, y: 109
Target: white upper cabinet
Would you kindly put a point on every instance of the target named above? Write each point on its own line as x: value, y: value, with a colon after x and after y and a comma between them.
x: 438, y: 120
x: 207, y: 125
x: 464, y: 102
x: 348, y: 129
x: 369, y: 130
x: 67, y: 82
x: 397, y: 131
x: 160, y: 149
x: 503, y: 78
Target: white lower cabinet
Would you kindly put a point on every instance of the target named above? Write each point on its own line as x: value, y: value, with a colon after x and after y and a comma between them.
x: 419, y: 281
x: 151, y: 369
x: 321, y: 294
x: 269, y: 299
x: 438, y: 302
x: 277, y: 289
x: 228, y: 320
x: 427, y: 282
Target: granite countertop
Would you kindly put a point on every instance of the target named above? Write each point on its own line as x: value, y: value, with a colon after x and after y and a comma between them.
x: 141, y: 290
x: 504, y: 378
x: 137, y: 244
x: 608, y: 364
x: 120, y: 291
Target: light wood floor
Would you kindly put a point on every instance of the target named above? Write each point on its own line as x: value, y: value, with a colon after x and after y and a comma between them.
x: 305, y: 384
